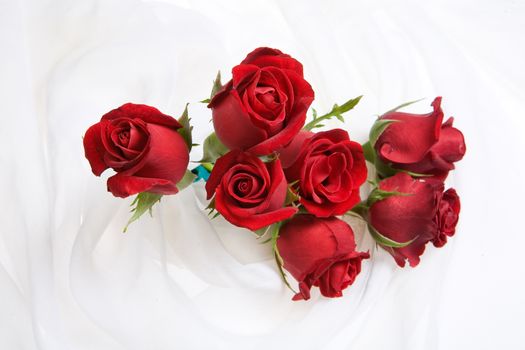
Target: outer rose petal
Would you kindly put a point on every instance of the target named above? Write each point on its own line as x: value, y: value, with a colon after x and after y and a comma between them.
x: 441, y: 157
x: 219, y: 169
x: 168, y: 155
x: 451, y: 145
x: 288, y: 154
x: 94, y: 149
x: 265, y: 56
x: 123, y: 186
x: 252, y: 222
x: 327, y: 209
x: 410, y: 138
x: 146, y: 113
x: 232, y: 124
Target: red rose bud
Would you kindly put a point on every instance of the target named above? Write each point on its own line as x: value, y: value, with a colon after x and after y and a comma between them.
x: 142, y: 145
x: 419, y: 142
x: 330, y: 169
x: 405, y: 214
x: 320, y: 252
x: 264, y: 105
x: 447, y: 217
x: 248, y: 192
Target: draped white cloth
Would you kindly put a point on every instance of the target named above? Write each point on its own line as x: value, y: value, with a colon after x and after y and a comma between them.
x: 69, y: 277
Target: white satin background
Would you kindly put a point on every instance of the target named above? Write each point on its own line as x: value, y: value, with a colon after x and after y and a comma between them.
x: 69, y: 277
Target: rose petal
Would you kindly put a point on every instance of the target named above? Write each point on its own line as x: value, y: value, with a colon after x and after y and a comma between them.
x: 146, y: 113
x: 94, y: 149
x: 123, y: 185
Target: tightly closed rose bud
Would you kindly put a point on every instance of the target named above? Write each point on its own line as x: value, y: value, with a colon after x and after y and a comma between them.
x: 320, y: 252
x: 329, y: 169
x: 416, y: 212
x: 264, y: 105
x: 420, y: 143
x: 142, y: 145
x: 248, y: 192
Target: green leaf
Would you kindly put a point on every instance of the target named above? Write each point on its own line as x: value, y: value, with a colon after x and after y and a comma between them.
x: 378, y: 195
x: 217, y: 85
x: 278, y: 259
x: 291, y: 196
x: 186, y: 180
x: 269, y: 157
x: 212, y: 149
x: 387, y: 242
x: 413, y: 174
x: 336, y: 111
x: 369, y: 152
x: 262, y: 231
x: 404, y: 105
x: 211, y: 205
x: 360, y: 209
x: 384, y: 170
x: 348, y: 105
x: 186, y: 129
x: 143, y: 203
x: 378, y: 128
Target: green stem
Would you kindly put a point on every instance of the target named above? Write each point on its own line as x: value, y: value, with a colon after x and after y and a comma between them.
x: 316, y: 121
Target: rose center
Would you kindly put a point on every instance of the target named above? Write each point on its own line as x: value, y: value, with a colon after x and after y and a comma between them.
x: 123, y: 137
x: 243, y: 187
x: 267, y: 96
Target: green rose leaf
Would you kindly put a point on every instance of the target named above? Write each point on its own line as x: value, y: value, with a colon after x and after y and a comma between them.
x: 387, y: 242
x: 404, y: 105
x: 213, y: 149
x: 336, y: 111
x: 186, y: 180
x: 378, y: 195
x: 217, y: 85
x: 186, y: 129
x: 378, y: 128
x: 143, y: 203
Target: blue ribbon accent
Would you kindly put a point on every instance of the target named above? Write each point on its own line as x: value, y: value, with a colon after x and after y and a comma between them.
x: 201, y: 172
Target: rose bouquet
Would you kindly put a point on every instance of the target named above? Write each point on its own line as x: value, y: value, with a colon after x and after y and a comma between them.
x: 270, y: 171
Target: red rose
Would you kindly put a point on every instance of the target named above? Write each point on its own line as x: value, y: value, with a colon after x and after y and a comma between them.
x: 248, y: 192
x: 330, y: 169
x: 420, y: 143
x: 264, y: 105
x: 320, y: 252
x: 419, y: 214
x: 142, y: 145
x: 447, y: 217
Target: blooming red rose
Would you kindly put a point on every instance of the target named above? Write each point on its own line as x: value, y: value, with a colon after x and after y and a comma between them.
x: 329, y: 169
x: 142, y: 145
x: 447, y: 217
x: 420, y: 143
x: 320, y: 252
x: 264, y: 105
x: 248, y: 192
x: 420, y: 213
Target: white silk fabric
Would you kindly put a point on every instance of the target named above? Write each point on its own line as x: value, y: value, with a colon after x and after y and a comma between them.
x: 69, y: 277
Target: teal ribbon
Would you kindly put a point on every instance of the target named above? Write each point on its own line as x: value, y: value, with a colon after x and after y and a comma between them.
x: 201, y: 172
